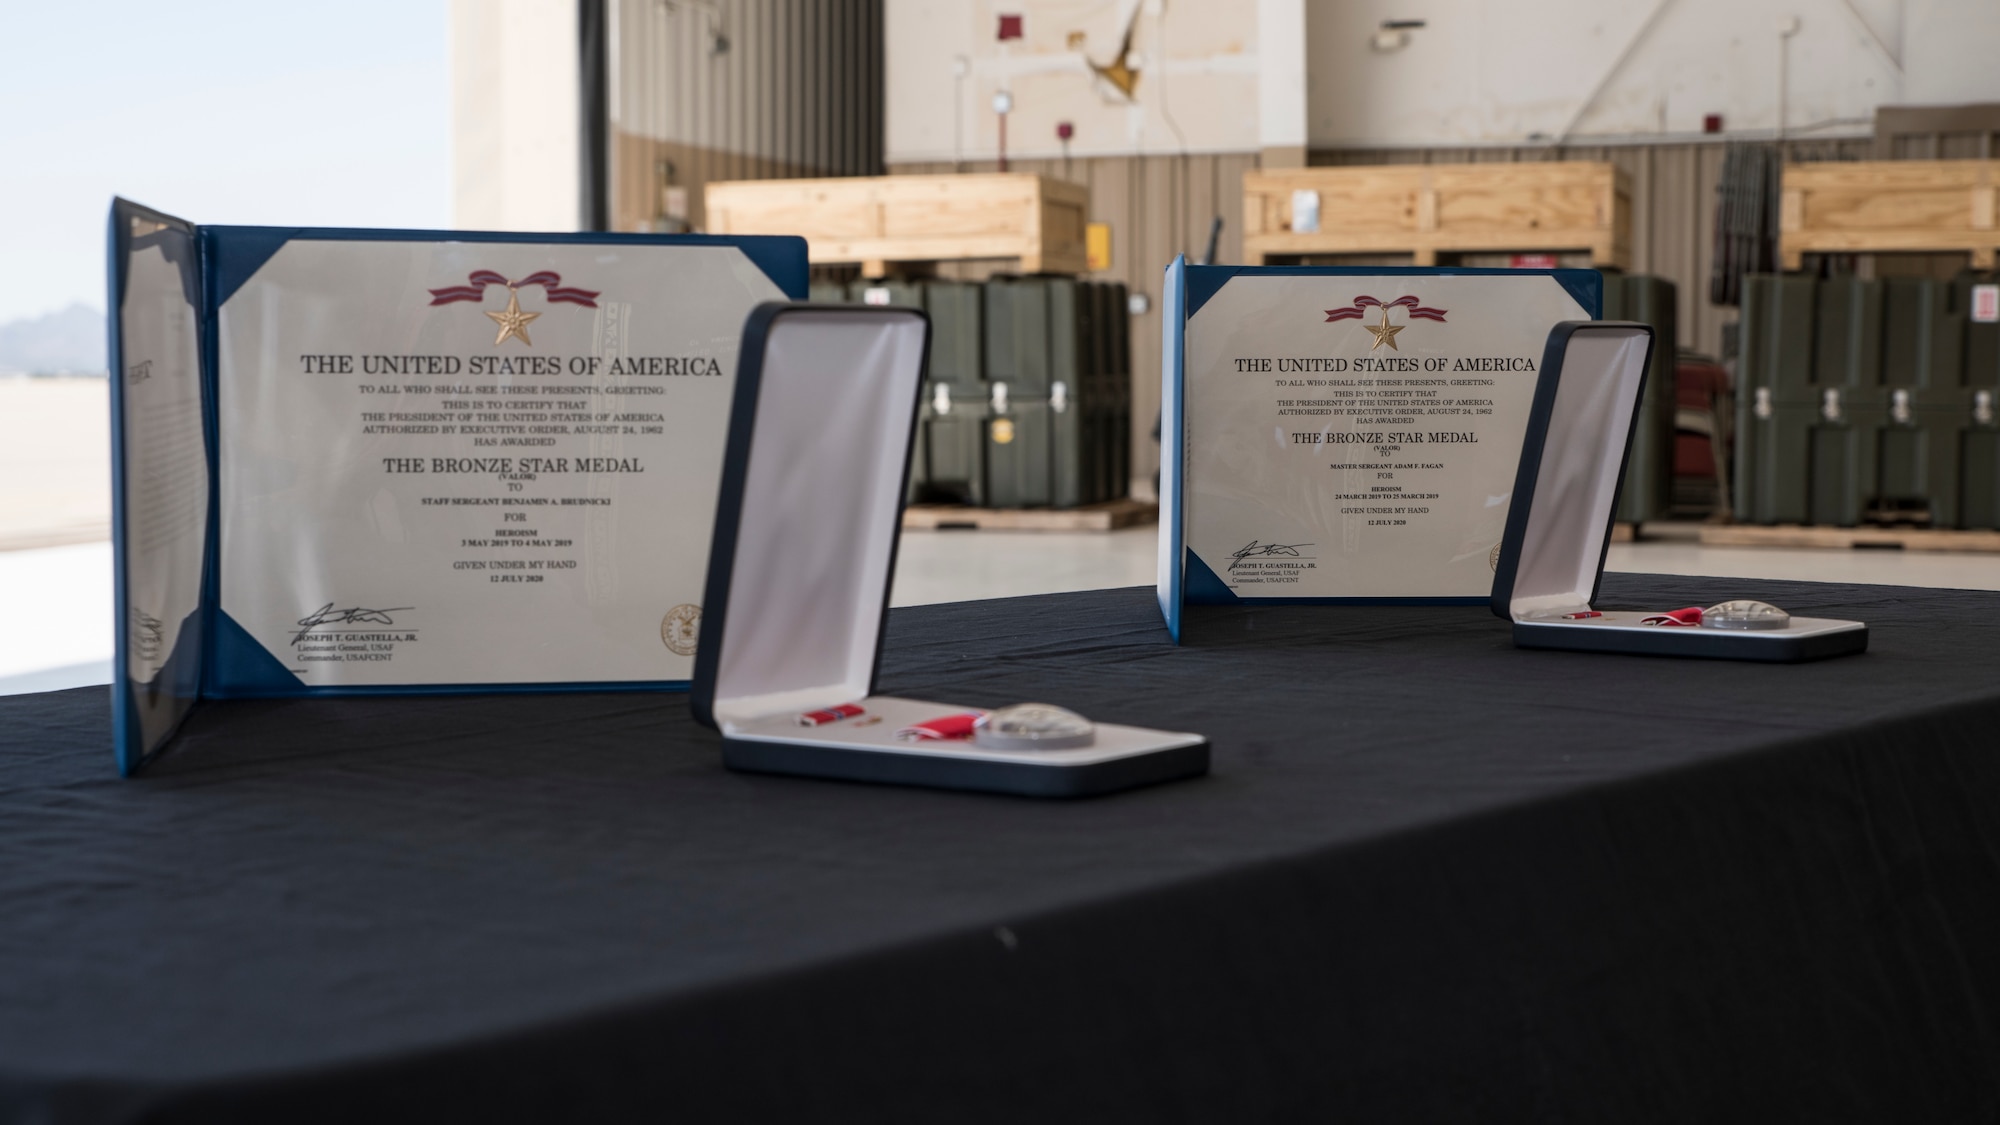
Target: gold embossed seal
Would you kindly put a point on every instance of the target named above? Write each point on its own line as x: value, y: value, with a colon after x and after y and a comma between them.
x: 681, y: 629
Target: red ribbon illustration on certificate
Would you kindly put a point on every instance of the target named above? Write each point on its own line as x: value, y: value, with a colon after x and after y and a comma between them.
x: 1385, y: 333
x: 512, y: 320
x: 549, y: 280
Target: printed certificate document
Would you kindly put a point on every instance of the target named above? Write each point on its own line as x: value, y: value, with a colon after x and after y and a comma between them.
x: 476, y: 462
x: 1355, y: 435
x: 357, y: 461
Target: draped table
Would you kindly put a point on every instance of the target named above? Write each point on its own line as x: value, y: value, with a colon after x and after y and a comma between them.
x: 1430, y: 877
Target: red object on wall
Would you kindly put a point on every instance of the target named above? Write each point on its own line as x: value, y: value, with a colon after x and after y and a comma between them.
x: 1010, y: 27
x: 1532, y: 261
x: 1065, y: 130
x: 1712, y: 123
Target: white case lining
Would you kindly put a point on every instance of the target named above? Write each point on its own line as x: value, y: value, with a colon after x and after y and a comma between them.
x: 890, y: 714
x: 1632, y: 621
x: 820, y: 500
x: 1577, y: 485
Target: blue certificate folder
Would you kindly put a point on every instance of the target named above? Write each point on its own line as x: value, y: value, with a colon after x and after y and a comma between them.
x: 173, y: 418
x: 1344, y: 311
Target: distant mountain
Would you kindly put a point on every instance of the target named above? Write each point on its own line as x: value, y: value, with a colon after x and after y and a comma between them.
x: 67, y: 342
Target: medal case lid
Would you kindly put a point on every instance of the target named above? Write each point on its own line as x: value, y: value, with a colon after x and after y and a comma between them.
x: 810, y: 505
x: 1572, y: 466
x: 1565, y: 499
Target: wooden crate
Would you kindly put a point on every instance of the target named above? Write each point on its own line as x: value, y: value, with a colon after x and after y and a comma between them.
x: 875, y: 220
x: 1849, y: 538
x: 1422, y: 209
x: 1847, y: 207
x: 1108, y: 516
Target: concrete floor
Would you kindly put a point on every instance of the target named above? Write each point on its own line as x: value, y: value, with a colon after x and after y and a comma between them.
x: 55, y: 602
x: 55, y: 617
x: 55, y: 462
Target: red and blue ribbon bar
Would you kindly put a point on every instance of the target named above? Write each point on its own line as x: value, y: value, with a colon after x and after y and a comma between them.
x: 830, y: 715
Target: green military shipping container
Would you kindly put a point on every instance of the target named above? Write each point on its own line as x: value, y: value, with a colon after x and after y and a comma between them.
x: 957, y: 340
x: 1979, y: 468
x: 1119, y: 391
x: 1057, y: 360
x: 1892, y: 422
x: 1776, y: 400
x: 918, y: 487
x: 1018, y: 453
x: 1069, y: 365
x: 1923, y: 340
x: 954, y: 442
x: 1017, y: 334
x: 1845, y: 448
x: 1070, y: 446
x: 1979, y: 438
x: 956, y: 394
x: 1099, y: 393
x: 1648, y: 493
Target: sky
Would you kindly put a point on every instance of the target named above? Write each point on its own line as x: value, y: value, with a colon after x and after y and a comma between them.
x: 218, y: 111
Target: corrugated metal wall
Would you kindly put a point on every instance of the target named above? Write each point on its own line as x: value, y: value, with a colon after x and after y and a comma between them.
x: 707, y: 90
x: 1953, y: 132
x: 1938, y: 146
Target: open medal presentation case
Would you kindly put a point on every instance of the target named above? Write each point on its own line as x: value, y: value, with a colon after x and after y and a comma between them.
x: 802, y: 558
x: 365, y: 462
x: 1565, y: 499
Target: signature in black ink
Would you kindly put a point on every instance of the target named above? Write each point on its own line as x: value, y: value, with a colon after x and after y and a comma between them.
x: 327, y: 615
x: 1256, y: 550
x: 148, y: 635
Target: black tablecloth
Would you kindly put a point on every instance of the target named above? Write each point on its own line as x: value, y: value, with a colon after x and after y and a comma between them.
x: 1431, y: 877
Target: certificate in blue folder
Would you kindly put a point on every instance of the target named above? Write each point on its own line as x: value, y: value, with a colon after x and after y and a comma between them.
x: 1346, y: 434
x: 364, y: 462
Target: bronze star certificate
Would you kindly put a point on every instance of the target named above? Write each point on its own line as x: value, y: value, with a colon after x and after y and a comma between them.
x: 475, y: 462
x: 1355, y: 435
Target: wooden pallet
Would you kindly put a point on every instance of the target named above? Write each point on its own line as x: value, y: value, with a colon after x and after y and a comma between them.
x: 1890, y: 538
x: 1848, y: 207
x: 1108, y: 516
x: 1422, y: 209
x: 876, y: 220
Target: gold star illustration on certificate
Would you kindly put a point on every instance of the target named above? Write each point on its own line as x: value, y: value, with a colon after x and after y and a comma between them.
x: 1384, y: 334
x: 514, y: 322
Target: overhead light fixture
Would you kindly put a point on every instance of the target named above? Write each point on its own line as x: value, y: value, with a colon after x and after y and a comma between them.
x: 1393, y: 35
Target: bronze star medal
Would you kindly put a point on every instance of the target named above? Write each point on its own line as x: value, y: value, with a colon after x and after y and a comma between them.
x: 514, y: 322
x: 1385, y: 334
